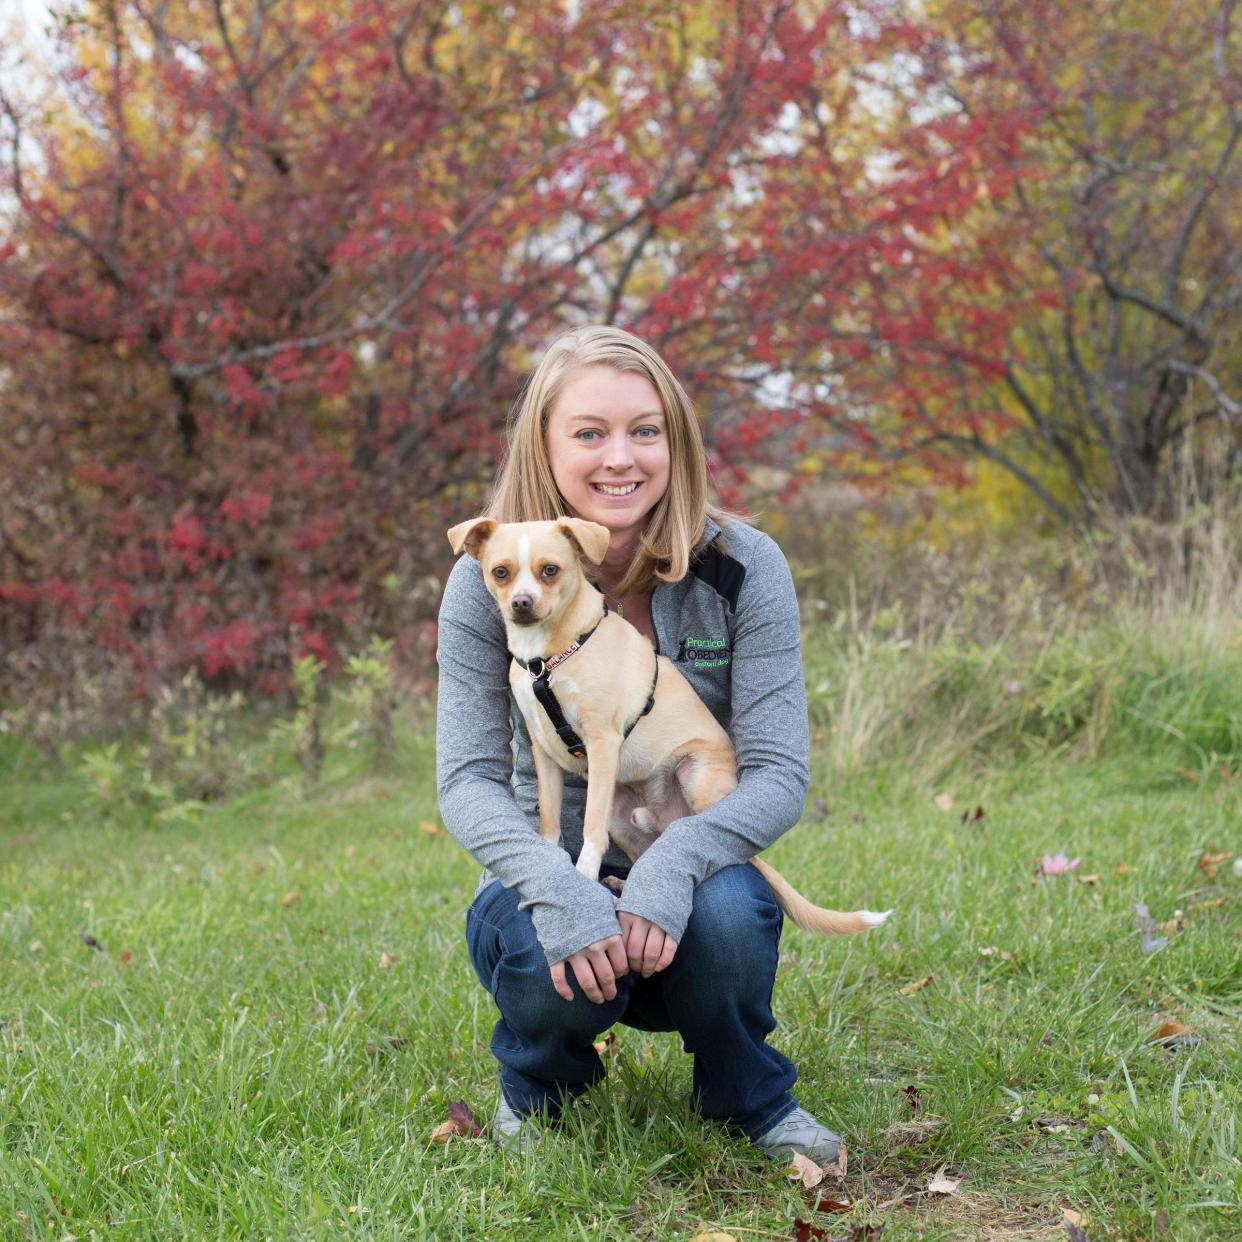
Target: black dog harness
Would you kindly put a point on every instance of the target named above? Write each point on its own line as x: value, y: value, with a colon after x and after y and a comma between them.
x: 540, y: 671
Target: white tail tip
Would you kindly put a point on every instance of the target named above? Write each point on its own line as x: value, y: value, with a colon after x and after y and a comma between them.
x: 872, y: 919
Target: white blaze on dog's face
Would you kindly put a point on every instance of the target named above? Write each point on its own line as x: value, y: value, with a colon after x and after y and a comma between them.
x: 532, y: 569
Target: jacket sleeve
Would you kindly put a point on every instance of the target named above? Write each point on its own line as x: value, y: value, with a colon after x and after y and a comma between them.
x: 474, y: 764
x: 770, y: 734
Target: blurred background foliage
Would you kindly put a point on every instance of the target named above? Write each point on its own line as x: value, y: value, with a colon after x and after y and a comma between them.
x: 955, y: 287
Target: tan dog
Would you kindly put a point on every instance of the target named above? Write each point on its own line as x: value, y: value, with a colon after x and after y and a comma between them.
x: 655, y: 752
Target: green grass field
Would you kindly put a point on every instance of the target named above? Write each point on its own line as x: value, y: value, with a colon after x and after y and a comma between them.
x: 282, y: 1007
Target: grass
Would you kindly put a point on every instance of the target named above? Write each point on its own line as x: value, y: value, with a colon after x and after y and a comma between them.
x: 283, y: 1006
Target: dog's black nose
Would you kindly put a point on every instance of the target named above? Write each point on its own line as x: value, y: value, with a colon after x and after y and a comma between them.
x: 522, y: 603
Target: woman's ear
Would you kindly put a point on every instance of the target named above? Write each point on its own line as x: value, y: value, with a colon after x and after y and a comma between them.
x: 471, y: 535
x: 590, y: 538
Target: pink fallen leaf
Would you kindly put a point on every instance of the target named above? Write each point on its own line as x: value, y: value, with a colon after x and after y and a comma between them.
x: 1057, y: 864
x: 944, y: 801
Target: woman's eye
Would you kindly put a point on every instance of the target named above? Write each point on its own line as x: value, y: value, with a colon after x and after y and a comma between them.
x: 647, y: 433
x: 550, y: 571
x: 588, y: 435
x: 500, y: 573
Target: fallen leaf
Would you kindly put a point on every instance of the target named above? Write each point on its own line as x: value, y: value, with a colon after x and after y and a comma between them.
x: 804, y: 1231
x: 836, y: 1170
x: 443, y: 1132
x: 803, y: 1169
x: 607, y: 1046
x: 968, y: 818
x: 36, y: 947
x: 460, y: 1120
x: 941, y: 1185
x: 833, y: 1205
x: 713, y: 1237
x: 1147, y: 926
x: 1171, y: 1028
x: 432, y: 830
x: 1210, y: 863
x: 1123, y: 869
x: 1073, y: 1218
x: 1057, y: 864
x: 124, y: 958
x: 387, y: 960
x: 1088, y: 879
x: 914, y: 1096
x: 917, y: 986
x: 290, y: 897
x: 91, y: 942
x: 944, y: 801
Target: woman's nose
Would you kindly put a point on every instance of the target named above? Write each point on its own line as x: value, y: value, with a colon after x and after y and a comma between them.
x: 619, y: 454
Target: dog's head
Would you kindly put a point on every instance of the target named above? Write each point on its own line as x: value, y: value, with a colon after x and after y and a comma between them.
x: 531, y: 568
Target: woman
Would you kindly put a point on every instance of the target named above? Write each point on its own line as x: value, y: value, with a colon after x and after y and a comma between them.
x: 605, y: 432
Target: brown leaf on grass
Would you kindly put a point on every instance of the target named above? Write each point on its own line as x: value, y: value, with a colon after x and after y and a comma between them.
x: 942, y: 1185
x: 913, y: 1096
x: 1093, y: 878
x: 713, y: 1237
x: 607, y: 1046
x: 91, y: 942
x: 1123, y: 869
x: 1209, y: 863
x: 969, y: 817
x: 803, y: 1169
x: 460, y: 1122
x: 1170, y: 1029
x: 432, y: 830
x: 804, y: 1231
x: 290, y: 897
x: 832, y: 1205
x: 124, y: 958
x: 387, y: 960
x: 944, y: 801
x: 917, y: 986
x: 837, y: 1169
x: 1070, y: 1217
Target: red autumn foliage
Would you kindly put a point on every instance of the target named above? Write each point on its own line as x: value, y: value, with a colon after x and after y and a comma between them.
x: 275, y: 274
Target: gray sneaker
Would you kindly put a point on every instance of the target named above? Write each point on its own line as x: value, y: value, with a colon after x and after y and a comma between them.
x: 512, y: 1132
x: 800, y: 1132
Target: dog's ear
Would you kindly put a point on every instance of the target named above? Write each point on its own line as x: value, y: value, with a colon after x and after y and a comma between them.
x: 471, y: 535
x: 590, y: 538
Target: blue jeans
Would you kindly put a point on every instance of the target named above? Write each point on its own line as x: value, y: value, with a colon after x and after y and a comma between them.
x: 717, y: 995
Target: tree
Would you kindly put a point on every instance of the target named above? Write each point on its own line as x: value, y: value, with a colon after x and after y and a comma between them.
x: 275, y: 272
x: 1125, y: 236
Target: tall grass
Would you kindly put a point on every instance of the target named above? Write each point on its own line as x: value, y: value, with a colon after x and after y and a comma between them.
x: 1007, y: 667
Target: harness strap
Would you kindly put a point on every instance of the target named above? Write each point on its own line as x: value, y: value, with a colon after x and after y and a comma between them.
x: 540, y: 671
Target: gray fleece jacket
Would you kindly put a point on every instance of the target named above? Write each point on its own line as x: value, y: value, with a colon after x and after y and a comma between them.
x: 732, y: 627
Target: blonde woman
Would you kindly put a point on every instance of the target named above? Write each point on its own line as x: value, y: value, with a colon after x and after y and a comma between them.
x: 605, y: 432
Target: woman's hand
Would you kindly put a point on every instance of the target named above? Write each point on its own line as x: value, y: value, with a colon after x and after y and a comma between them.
x: 648, y: 948
x: 597, y: 969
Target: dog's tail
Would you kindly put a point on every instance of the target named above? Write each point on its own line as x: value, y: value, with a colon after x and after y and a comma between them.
x: 812, y: 917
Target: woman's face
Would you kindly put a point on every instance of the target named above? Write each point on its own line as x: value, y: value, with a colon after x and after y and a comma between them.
x: 608, y: 447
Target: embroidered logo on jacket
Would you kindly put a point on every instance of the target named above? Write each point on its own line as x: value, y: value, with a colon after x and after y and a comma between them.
x: 706, y: 652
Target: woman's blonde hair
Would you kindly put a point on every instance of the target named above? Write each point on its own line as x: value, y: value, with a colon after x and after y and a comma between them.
x: 526, y: 492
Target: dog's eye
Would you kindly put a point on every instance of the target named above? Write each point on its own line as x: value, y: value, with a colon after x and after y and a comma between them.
x: 550, y: 571
x: 500, y: 573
